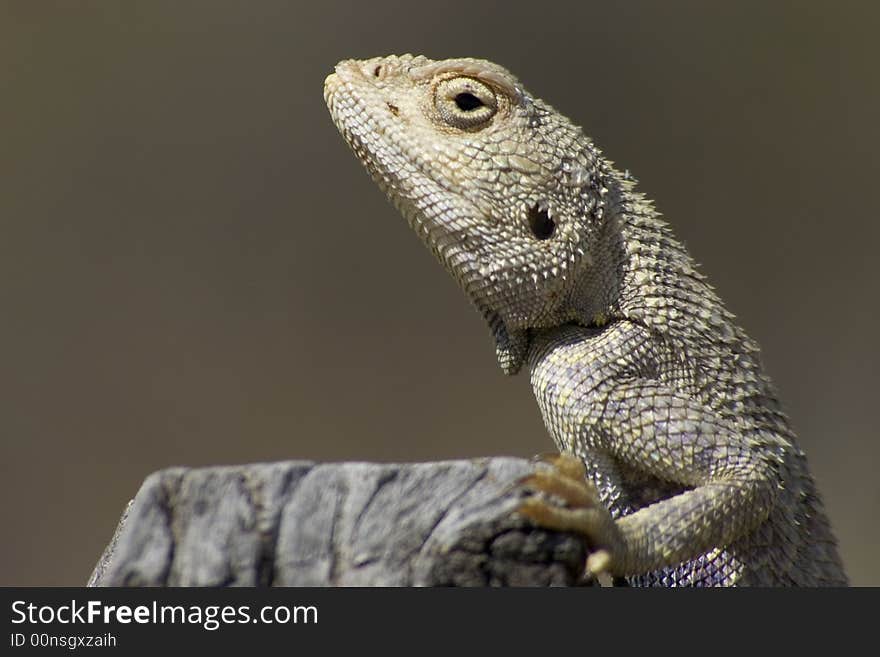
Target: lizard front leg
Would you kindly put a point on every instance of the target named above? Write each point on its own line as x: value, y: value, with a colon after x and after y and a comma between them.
x: 635, y: 422
x: 647, y: 426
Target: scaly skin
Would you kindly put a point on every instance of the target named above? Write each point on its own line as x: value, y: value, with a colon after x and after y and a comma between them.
x: 693, y: 471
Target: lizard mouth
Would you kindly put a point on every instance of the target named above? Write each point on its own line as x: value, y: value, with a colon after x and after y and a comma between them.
x: 366, y: 120
x: 370, y: 124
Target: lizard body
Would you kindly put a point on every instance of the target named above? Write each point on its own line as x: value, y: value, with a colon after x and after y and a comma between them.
x: 637, y: 367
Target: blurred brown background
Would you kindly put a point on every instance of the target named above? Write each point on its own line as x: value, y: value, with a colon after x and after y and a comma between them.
x: 194, y: 269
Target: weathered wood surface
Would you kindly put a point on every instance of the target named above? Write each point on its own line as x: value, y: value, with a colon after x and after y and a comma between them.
x: 299, y: 523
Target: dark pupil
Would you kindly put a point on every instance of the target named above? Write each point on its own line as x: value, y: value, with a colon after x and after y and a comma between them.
x: 542, y: 225
x: 467, y: 102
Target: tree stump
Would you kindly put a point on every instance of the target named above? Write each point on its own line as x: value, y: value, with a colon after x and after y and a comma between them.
x: 299, y: 523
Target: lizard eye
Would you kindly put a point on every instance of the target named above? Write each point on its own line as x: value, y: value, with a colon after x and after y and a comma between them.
x: 465, y: 103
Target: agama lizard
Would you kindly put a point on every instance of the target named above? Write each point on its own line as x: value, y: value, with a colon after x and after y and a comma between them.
x: 678, y: 464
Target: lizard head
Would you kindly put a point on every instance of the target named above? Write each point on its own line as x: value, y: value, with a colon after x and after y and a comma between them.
x: 506, y: 192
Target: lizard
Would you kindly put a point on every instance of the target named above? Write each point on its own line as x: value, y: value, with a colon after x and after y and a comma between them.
x: 677, y: 463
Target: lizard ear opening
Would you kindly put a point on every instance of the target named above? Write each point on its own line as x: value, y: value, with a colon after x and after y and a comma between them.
x: 511, y: 347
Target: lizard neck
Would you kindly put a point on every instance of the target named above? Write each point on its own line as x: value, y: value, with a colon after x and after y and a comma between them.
x: 618, y: 271
x: 642, y: 274
x: 656, y: 283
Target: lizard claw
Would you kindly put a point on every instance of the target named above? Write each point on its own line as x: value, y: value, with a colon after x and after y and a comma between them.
x: 566, y: 463
x: 566, y: 500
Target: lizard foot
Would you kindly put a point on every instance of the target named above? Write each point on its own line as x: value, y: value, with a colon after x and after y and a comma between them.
x: 566, y: 500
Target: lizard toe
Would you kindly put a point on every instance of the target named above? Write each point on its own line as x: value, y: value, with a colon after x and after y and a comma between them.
x: 563, y: 499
